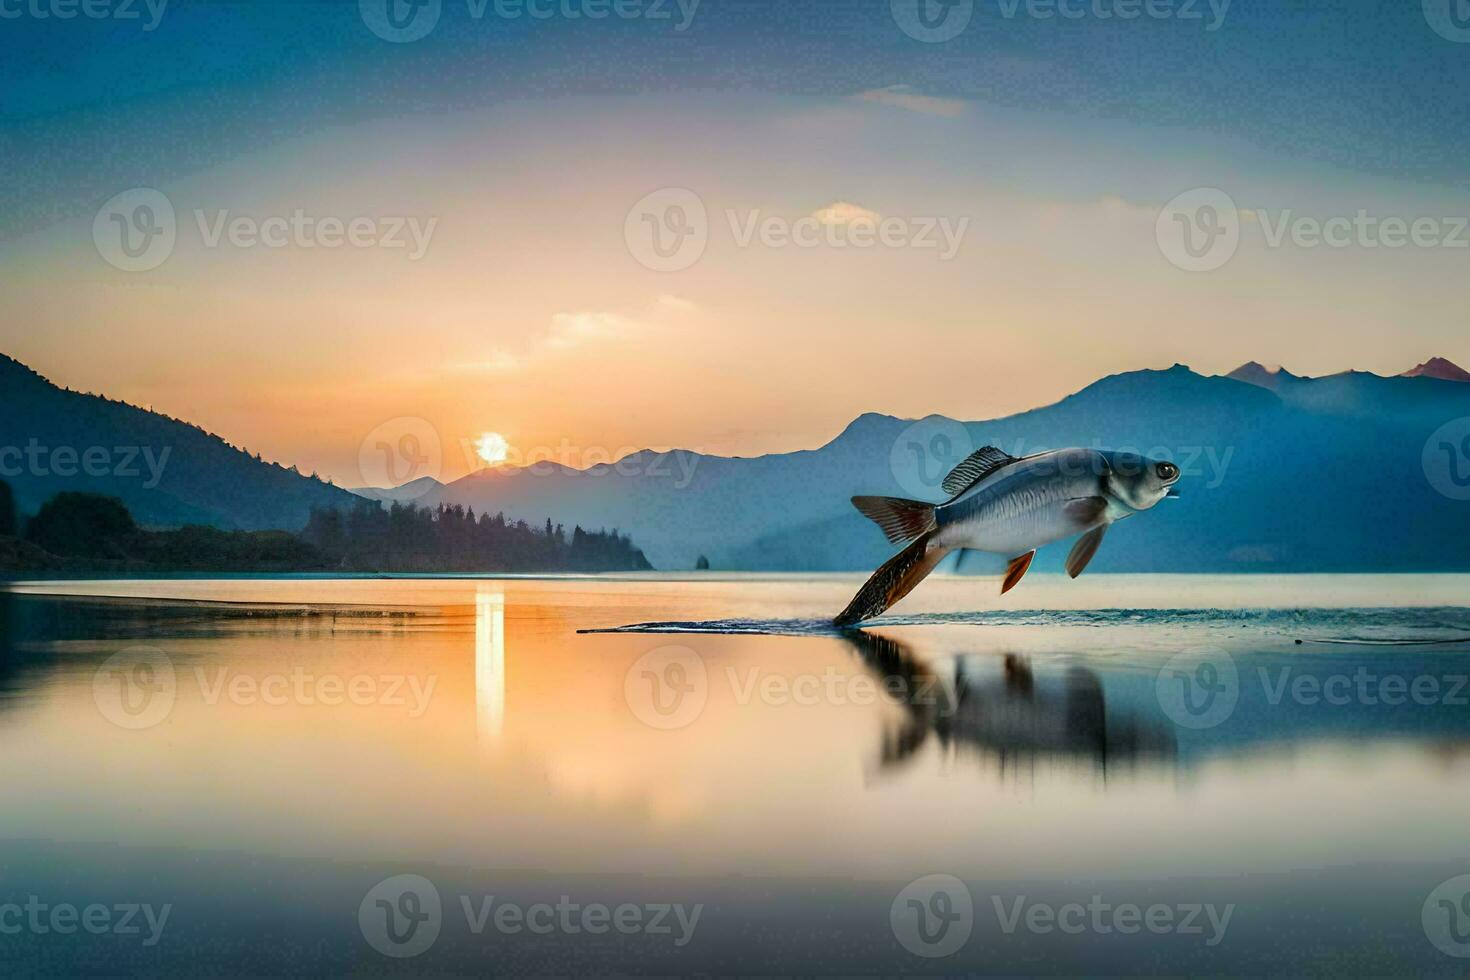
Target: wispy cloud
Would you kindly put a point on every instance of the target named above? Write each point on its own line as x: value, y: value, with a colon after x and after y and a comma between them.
x: 905, y: 97
x: 568, y: 332
x: 845, y: 213
x: 677, y: 304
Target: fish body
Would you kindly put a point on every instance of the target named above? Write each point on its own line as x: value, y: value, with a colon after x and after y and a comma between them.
x: 1010, y: 506
x: 1030, y: 503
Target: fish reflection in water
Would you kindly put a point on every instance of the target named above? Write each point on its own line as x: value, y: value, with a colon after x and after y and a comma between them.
x: 1013, y: 717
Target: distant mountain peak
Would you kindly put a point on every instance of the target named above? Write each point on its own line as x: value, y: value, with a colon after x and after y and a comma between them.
x: 1438, y: 367
x: 1263, y: 375
x: 867, y: 422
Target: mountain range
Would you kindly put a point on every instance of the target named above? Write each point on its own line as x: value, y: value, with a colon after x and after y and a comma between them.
x: 168, y: 472
x: 1281, y: 473
x: 1273, y: 376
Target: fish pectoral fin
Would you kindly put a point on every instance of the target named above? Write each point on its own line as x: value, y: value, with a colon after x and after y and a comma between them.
x: 1016, y: 571
x: 1084, y: 549
x: 1086, y: 510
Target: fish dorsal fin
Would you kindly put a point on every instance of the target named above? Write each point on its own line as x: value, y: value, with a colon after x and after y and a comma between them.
x: 976, y: 467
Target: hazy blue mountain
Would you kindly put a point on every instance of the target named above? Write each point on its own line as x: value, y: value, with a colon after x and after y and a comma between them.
x: 1426, y: 392
x: 1256, y: 373
x: 1318, y: 474
x: 167, y: 472
x: 407, y: 493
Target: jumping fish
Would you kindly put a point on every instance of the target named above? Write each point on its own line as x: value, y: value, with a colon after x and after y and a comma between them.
x: 1009, y: 506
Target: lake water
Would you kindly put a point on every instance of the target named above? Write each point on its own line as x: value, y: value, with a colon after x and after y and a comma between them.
x: 1122, y: 774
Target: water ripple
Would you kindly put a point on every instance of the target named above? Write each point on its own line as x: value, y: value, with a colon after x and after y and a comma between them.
x: 1392, y: 626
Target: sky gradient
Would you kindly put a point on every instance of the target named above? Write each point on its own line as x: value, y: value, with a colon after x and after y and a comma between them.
x: 519, y: 148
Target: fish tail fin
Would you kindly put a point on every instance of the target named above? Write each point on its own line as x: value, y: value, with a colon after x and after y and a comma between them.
x: 893, y: 580
x: 901, y: 520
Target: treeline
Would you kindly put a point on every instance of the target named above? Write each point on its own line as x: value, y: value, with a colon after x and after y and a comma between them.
x: 94, y: 533
x: 408, y: 538
x: 91, y: 532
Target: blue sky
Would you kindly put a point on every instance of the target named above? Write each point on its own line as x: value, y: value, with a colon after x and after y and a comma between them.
x: 1360, y: 85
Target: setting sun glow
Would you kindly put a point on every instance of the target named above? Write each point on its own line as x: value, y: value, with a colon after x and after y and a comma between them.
x: 491, y: 447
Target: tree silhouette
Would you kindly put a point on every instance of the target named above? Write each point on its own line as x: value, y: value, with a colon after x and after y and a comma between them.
x: 84, y: 525
x: 7, y: 511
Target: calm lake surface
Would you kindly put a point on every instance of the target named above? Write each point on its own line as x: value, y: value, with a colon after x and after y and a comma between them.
x: 1289, y: 758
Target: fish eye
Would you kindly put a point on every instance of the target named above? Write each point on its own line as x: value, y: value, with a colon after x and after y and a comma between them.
x: 1167, y: 471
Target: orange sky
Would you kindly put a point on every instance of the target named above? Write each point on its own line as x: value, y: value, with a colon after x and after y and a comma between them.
x: 528, y: 314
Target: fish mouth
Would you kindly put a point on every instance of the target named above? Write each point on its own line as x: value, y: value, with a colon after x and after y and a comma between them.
x: 1173, y: 492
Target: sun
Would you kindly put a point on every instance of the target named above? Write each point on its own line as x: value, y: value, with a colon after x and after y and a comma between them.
x: 492, y: 447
